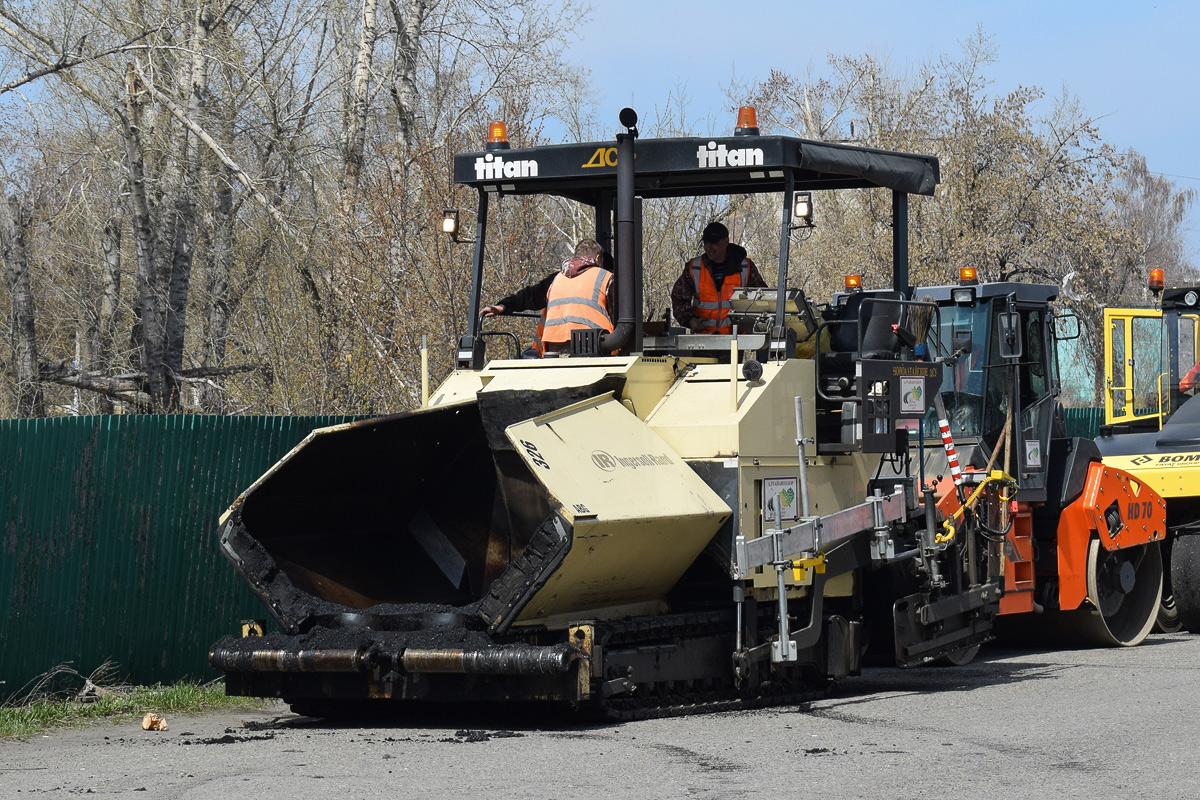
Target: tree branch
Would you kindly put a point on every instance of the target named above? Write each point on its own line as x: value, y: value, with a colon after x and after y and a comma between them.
x: 128, y: 386
x: 123, y: 388
x: 65, y: 63
x: 217, y: 150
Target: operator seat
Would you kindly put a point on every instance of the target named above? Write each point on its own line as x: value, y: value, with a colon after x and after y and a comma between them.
x: 875, y: 312
x: 876, y: 317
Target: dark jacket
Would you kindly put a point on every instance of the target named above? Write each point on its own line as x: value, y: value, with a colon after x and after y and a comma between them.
x: 530, y: 298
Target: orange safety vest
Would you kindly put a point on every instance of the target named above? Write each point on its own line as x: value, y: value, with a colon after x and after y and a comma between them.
x: 579, y: 302
x: 711, y: 305
x: 1190, y: 379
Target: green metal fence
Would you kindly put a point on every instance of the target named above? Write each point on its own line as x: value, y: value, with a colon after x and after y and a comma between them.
x: 108, y: 539
x: 1084, y: 422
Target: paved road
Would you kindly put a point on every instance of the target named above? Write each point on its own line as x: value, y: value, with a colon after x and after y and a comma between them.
x: 1012, y: 724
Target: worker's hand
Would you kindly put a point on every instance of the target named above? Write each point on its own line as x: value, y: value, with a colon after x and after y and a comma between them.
x: 696, y: 324
x: 492, y: 311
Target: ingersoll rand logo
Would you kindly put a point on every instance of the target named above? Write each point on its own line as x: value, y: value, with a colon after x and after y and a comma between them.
x: 603, y: 460
x: 608, y: 462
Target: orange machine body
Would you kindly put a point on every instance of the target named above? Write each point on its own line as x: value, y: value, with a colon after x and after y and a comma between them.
x: 1139, y: 517
x: 1142, y: 514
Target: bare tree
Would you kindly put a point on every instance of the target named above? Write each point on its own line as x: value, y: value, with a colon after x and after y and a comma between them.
x: 14, y: 218
x: 1156, y: 211
x: 267, y: 175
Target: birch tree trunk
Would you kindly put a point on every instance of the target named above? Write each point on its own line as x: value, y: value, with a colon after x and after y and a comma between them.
x: 181, y: 220
x: 149, y: 313
x: 28, y: 395
x: 102, y: 314
x: 216, y: 287
x: 409, y: 22
x: 359, y: 106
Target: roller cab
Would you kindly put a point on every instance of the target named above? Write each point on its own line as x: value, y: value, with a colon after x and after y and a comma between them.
x: 1081, y: 537
x: 1152, y: 427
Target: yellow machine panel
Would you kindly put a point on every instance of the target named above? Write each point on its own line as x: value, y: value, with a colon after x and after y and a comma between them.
x: 646, y: 379
x: 641, y: 516
x: 1171, y: 474
x: 699, y: 417
x: 834, y: 484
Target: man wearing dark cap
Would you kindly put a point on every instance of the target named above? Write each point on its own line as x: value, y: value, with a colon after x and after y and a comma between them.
x: 700, y: 297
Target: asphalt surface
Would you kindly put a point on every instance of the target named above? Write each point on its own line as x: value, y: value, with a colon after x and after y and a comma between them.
x: 1012, y: 724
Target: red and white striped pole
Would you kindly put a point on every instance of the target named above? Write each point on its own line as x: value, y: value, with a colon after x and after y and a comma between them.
x: 948, y: 444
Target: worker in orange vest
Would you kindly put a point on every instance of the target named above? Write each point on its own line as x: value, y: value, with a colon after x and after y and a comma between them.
x: 700, y: 297
x: 581, y: 294
x: 1191, y: 379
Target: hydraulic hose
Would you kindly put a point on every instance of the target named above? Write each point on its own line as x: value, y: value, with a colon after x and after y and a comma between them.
x: 996, y: 476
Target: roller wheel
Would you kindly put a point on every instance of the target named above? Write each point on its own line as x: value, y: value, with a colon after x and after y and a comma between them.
x: 1125, y: 590
x: 1185, y: 581
x: 1168, y: 610
x: 1168, y: 616
x: 960, y: 658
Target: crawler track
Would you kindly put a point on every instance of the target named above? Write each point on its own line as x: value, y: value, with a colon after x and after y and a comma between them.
x: 627, y: 709
x: 716, y: 690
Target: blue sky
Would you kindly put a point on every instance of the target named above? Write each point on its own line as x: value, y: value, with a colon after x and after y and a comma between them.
x: 1134, y: 64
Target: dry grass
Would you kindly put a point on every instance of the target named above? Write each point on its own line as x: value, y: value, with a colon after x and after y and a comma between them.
x: 45, y: 704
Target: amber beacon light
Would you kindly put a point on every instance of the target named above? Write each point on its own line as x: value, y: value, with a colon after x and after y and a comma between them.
x: 497, y: 136
x: 747, y: 122
x: 1157, y: 280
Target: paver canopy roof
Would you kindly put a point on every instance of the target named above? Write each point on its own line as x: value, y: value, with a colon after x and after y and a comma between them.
x: 696, y: 166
